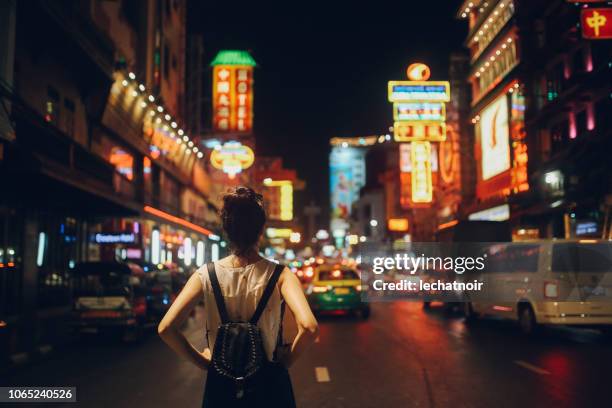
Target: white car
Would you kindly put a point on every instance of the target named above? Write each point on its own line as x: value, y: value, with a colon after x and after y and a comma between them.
x: 558, y: 282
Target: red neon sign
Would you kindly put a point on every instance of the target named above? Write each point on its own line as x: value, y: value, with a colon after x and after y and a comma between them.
x: 596, y: 23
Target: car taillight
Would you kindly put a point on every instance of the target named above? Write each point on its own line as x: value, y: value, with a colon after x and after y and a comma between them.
x: 139, y: 306
x: 320, y: 289
x: 551, y: 289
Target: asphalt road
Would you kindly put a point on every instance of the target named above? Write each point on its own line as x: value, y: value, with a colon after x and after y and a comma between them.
x: 402, y: 356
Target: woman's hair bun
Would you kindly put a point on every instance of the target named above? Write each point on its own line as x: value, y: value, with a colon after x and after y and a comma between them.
x: 243, y: 218
x: 243, y: 195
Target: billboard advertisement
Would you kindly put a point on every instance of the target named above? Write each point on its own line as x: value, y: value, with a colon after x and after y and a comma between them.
x: 495, y: 138
x: 347, y: 176
x: 419, y: 111
x: 409, y: 91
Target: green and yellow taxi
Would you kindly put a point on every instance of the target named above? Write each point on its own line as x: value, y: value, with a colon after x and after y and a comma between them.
x: 336, y: 288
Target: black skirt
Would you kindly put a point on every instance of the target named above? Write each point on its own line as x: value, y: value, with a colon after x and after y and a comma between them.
x: 273, y: 391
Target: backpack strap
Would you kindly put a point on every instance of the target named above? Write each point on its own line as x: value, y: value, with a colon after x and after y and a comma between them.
x: 214, y: 282
x: 267, y: 293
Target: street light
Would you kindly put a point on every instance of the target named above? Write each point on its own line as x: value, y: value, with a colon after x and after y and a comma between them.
x: 373, y: 223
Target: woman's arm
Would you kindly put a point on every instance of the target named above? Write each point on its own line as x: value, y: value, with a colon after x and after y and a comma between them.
x: 308, y: 328
x: 168, y: 328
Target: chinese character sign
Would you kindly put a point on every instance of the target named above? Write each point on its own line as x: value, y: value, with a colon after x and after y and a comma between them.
x: 233, y: 98
x: 596, y: 23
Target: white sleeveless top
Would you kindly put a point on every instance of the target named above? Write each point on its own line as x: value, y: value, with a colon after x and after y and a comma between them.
x: 242, y: 288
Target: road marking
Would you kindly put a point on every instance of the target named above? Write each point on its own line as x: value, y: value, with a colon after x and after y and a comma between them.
x: 322, y: 374
x: 531, y: 367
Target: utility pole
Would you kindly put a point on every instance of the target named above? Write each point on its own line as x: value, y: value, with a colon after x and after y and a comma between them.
x: 311, y: 211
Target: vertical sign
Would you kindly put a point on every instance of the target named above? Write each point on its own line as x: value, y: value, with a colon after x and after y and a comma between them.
x: 420, y: 155
x: 222, y: 97
x: 244, y: 95
x: 233, y: 91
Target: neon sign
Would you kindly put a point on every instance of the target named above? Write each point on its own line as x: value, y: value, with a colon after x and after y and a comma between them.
x: 419, y: 111
x: 418, y: 72
x: 284, y: 212
x: 409, y: 131
x: 409, y: 91
x: 421, y: 172
x: 232, y: 158
x: 596, y: 23
x: 233, y: 91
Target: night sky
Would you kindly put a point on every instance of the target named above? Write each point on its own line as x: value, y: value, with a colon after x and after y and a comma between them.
x: 323, y: 69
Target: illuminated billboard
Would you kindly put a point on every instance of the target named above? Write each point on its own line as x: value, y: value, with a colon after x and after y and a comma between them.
x: 424, y: 131
x: 495, y: 138
x: 596, y: 23
x: 420, y: 156
x: 233, y: 91
x: 397, y: 224
x: 409, y: 91
x: 280, y: 199
x: 347, y: 176
x: 232, y: 158
x: 419, y: 111
x: 406, y: 158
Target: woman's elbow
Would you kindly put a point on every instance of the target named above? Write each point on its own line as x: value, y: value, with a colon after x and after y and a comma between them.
x: 163, y: 329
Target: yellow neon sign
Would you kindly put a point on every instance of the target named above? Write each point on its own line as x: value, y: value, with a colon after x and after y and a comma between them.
x: 232, y: 158
x: 408, y: 131
x: 279, y: 232
x: 286, y: 197
x: 421, y: 172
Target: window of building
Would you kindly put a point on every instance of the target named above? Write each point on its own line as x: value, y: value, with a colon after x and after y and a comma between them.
x: 559, y: 136
x: 11, y: 224
x: 578, y: 65
x: 554, y: 85
x: 52, y: 107
x: 581, y: 122
x: 69, y: 117
x: 60, y: 239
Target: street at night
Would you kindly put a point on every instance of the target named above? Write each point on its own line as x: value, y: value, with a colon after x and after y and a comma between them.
x: 403, y: 356
x: 280, y: 205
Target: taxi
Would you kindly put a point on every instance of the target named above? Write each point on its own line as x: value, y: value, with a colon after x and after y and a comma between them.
x: 336, y: 288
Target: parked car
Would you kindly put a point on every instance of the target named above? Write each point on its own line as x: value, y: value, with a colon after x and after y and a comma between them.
x: 546, y: 283
x: 109, y: 296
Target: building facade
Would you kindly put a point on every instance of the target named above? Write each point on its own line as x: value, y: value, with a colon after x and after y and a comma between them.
x: 540, y: 107
x: 94, y: 159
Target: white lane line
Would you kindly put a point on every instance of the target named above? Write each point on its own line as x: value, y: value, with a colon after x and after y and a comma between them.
x: 322, y: 374
x: 531, y: 367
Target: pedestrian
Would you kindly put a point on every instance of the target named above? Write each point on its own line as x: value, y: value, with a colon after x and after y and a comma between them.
x: 244, y: 296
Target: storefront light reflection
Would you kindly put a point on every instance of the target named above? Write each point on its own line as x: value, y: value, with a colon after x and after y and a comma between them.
x: 200, y: 253
x: 155, y: 247
x: 214, y: 252
x: 188, y: 251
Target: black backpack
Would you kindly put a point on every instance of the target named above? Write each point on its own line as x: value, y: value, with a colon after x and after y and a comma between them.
x: 238, y: 355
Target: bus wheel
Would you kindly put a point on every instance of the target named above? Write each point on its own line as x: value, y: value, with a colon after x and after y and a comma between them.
x: 527, y: 320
